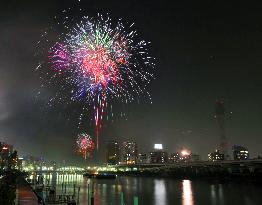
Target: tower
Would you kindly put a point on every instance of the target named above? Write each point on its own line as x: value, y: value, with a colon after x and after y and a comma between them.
x: 129, y: 152
x: 220, y: 115
x: 112, y: 153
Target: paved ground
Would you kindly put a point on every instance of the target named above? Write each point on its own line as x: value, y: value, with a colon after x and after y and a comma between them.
x: 25, y: 194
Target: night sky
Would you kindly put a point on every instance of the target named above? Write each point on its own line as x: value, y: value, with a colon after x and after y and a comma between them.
x: 204, y: 52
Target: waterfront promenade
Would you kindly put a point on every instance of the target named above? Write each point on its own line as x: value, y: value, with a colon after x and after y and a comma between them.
x: 25, y: 194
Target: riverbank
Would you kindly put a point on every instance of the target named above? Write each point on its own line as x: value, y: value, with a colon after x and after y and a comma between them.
x: 191, y: 173
x: 25, y: 193
x: 14, y: 189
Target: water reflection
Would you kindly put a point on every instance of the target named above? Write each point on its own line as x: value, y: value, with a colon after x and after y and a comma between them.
x: 221, y: 194
x: 187, y: 193
x: 151, y: 191
x: 217, y: 194
x: 160, y: 192
x: 213, y: 194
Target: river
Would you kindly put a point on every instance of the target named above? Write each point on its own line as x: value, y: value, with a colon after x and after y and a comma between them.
x: 157, y: 191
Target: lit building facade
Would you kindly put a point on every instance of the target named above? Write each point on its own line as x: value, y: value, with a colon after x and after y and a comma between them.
x: 174, y: 157
x: 8, y: 159
x: 5, y: 149
x: 112, y: 153
x: 240, y: 153
x: 216, y: 156
x: 142, y: 158
x: 129, y: 152
x: 184, y: 155
x: 30, y: 163
x: 158, y: 156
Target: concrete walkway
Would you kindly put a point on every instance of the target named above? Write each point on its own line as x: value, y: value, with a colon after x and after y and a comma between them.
x: 25, y: 195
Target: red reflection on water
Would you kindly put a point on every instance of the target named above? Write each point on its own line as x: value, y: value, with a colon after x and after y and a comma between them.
x: 187, y: 193
x: 84, y: 185
x: 97, y: 195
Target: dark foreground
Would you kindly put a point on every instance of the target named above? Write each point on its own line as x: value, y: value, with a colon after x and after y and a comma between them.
x: 14, y: 189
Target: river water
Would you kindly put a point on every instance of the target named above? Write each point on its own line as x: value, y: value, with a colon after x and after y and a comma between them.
x: 156, y: 191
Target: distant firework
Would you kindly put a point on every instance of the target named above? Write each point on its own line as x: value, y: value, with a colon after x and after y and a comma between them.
x: 85, y: 145
x: 95, y: 62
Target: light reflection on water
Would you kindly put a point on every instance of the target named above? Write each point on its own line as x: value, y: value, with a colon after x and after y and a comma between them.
x: 160, y: 192
x: 217, y: 194
x: 187, y: 193
x: 213, y: 194
x: 154, y: 191
x: 221, y: 194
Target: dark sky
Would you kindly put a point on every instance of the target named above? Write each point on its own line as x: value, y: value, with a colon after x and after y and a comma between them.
x: 203, y: 51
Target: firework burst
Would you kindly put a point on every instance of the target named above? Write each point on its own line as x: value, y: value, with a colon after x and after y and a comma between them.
x: 85, y: 145
x: 95, y: 62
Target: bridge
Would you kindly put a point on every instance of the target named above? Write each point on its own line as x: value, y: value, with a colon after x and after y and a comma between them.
x: 197, y: 168
x: 252, y: 163
x: 70, y: 169
x: 64, y: 169
x: 192, y: 168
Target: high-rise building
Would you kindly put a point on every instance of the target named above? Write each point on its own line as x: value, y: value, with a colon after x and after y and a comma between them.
x: 6, y: 160
x: 240, y: 153
x: 216, y: 156
x: 158, y: 156
x: 129, y: 152
x: 32, y: 163
x: 174, y: 157
x: 5, y: 148
x: 184, y: 155
x: 220, y: 116
x: 195, y: 157
x: 112, y: 153
x: 142, y: 158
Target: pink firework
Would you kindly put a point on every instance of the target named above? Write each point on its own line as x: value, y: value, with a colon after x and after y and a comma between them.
x: 85, y: 145
x: 95, y: 63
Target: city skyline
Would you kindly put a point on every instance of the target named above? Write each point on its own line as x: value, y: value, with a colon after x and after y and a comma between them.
x: 127, y: 152
x: 204, y: 52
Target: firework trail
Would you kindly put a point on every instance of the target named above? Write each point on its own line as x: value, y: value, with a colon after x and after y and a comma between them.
x: 85, y: 145
x: 95, y: 62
